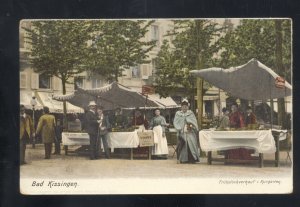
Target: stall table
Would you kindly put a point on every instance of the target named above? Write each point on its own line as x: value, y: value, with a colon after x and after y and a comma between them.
x: 260, y: 140
x: 115, y: 140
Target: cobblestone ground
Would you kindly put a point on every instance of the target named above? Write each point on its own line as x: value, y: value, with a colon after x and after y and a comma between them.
x: 77, y: 165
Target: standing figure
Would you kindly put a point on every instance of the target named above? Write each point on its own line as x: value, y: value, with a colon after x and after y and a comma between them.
x: 186, y: 125
x: 46, y: 127
x: 158, y: 124
x: 26, y: 132
x: 58, y: 131
x: 104, y: 126
x: 250, y: 117
x: 236, y: 117
x: 92, y: 127
x: 139, y: 119
x: 237, y: 121
x: 224, y: 120
x: 119, y: 120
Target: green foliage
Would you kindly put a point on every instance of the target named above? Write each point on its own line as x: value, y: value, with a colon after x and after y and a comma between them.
x: 59, y: 48
x: 117, y: 46
x: 194, y: 45
x: 255, y: 38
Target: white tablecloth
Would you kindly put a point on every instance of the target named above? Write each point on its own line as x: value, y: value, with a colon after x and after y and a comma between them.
x: 260, y: 140
x: 115, y: 139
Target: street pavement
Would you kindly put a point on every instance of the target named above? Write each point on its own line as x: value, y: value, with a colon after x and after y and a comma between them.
x: 74, y: 165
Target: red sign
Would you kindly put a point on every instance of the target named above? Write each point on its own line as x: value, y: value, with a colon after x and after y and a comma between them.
x: 279, y: 82
x: 147, y: 90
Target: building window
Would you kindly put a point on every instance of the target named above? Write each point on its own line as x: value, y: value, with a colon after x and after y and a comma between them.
x: 44, y: 81
x: 135, y: 72
x: 155, y: 34
x: 23, y: 80
x: 78, y: 82
x: 154, y: 64
x: 96, y: 83
x: 145, y: 71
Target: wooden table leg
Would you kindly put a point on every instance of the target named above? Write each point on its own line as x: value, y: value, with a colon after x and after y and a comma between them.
x: 131, y: 153
x: 209, y: 158
x: 66, y: 149
x: 261, y: 160
x: 277, y: 152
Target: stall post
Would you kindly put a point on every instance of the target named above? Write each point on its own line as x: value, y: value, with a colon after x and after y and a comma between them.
x: 33, y: 104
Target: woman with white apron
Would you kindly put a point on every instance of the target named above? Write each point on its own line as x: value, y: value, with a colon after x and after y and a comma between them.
x: 160, y: 149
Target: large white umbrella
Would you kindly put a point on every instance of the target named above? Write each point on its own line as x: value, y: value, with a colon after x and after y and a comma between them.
x: 252, y: 81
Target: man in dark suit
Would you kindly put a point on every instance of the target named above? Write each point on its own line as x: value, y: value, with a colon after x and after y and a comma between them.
x: 26, y: 132
x: 104, y: 127
x: 92, y: 126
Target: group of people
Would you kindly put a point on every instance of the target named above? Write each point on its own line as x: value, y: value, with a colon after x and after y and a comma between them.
x: 97, y: 125
x: 46, y: 128
x: 237, y: 120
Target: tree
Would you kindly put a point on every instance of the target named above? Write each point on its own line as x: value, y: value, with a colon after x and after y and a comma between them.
x: 269, y: 41
x: 117, y: 46
x: 255, y: 38
x: 171, y: 73
x: 194, y: 46
x: 59, y: 48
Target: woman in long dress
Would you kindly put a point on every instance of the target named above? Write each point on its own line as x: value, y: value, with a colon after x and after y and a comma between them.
x: 158, y: 125
x: 186, y: 125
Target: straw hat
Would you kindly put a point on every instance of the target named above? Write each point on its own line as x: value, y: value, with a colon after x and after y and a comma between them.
x: 92, y: 103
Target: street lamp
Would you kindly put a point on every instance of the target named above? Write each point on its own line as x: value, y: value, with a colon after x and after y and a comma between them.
x: 33, y: 103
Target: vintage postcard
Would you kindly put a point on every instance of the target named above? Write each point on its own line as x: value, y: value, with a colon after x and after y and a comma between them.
x: 156, y: 106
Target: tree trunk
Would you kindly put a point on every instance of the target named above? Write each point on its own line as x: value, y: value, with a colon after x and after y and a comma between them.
x: 116, y: 74
x: 65, y: 121
x: 200, y: 101
x: 199, y: 65
x: 279, y: 64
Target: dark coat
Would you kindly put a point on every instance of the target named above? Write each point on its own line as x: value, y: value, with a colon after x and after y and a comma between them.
x: 91, y: 125
x: 250, y: 119
x: 106, y: 124
x: 46, y: 127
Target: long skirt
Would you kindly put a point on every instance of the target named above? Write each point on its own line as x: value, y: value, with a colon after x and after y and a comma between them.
x: 189, y: 151
x: 160, y: 142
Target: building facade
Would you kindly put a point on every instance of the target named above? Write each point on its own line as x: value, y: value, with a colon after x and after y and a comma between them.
x: 33, y: 84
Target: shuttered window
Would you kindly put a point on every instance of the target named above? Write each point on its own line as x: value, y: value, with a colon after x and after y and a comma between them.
x: 23, y: 80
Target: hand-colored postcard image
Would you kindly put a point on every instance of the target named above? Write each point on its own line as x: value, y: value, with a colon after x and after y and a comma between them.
x: 156, y: 106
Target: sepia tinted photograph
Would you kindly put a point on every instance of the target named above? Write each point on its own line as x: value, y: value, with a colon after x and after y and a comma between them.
x: 156, y: 106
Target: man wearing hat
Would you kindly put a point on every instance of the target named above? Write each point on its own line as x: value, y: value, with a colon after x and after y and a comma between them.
x: 92, y: 125
x: 46, y: 127
x: 250, y: 118
x: 185, y: 123
x: 26, y: 132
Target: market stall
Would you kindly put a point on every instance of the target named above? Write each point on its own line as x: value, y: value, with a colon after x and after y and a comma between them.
x: 130, y: 140
x: 109, y: 97
x: 262, y: 141
x: 251, y: 81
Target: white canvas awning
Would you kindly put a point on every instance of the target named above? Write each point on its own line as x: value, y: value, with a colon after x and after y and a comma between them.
x: 25, y: 99
x: 167, y: 102
x: 56, y: 106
